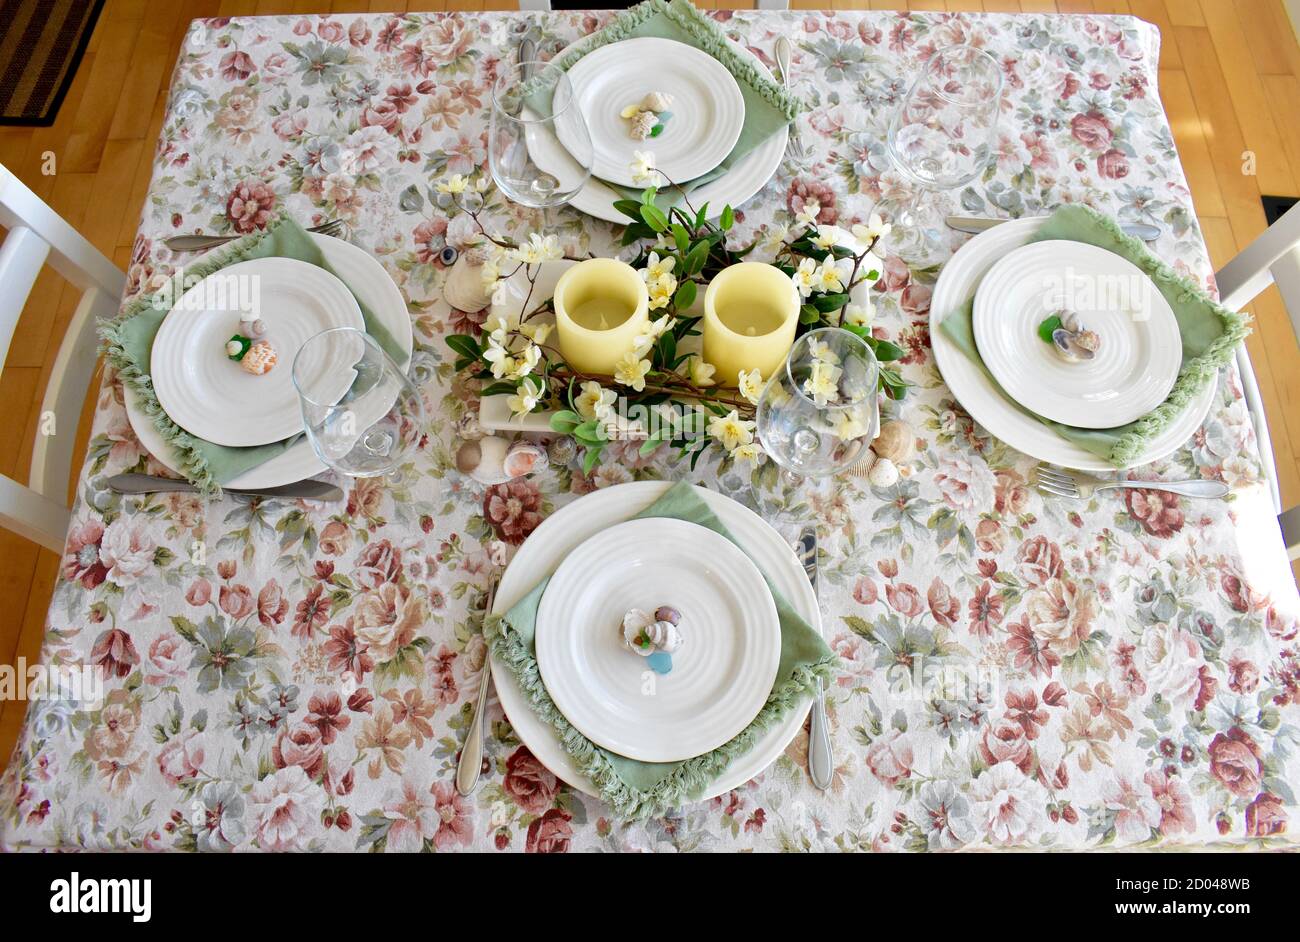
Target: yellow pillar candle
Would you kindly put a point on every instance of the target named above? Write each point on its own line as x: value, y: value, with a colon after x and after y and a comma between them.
x: 601, y: 305
x: 750, y: 314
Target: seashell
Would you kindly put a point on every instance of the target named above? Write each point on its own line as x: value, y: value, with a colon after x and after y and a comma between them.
x: 562, y: 450
x: 631, y: 111
x: 1067, y: 345
x: 657, y: 102
x: 664, y: 636
x: 484, y: 460
x: 896, y: 441
x: 635, y: 623
x: 254, y: 327
x: 524, y: 457
x: 259, y: 359
x: 642, y: 125
x: 669, y: 614
x: 463, y: 288
x: 883, y: 473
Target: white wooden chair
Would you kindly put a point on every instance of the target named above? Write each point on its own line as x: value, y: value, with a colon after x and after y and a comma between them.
x: 1273, y: 258
x: 38, y: 236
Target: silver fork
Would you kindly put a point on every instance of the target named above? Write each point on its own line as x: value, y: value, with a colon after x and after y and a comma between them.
x: 198, y: 242
x: 784, y: 55
x: 471, y: 754
x: 1057, y: 482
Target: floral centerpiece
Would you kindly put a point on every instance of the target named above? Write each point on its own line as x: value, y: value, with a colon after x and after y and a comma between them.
x: 677, y: 248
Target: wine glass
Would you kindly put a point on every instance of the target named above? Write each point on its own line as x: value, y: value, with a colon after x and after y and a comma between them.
x: 817, y: 414
x: 941, y: 138
x: 375, y: 422
x: 533, y: 110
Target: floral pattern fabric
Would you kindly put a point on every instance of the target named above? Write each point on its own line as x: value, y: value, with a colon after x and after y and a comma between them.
x: 1017, y: 672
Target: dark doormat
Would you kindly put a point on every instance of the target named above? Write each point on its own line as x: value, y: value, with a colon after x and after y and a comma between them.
x: 1275, y: 207
x: 41, y: 45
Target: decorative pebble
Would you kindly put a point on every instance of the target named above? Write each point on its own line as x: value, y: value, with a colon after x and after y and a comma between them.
x: 661, y: 662
x: 237, y: 346
x: 669, y: 614
x: 884, y: 473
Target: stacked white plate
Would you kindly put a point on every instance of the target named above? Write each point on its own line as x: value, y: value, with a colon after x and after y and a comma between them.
x: 210, y: 396
x: 1013, y: 283
x: 602, y: 564
x: 708, y: 113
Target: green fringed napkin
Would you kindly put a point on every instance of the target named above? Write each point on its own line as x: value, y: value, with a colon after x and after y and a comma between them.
x: 1210, y: 334
x: 128, y: 343
x: 642, y: 789
x: 768, y: 106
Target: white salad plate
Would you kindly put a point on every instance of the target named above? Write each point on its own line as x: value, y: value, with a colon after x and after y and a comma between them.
x: 743, y: 180
x: 721, y: 675
x: 980, y: 395
x: 212, y: 396
x: 567, y: 529
x: 707, y: 109
x: 364, y: 274
x: 1140, y: 348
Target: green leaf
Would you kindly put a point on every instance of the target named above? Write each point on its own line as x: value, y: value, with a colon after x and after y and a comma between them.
x: 565, y: 421
x: 886, y: 351
x: 830, y: 302
x: 654, y: 217
x: 702, y: 216
x: 808, y: 314
x: 636, y: 232
x: 591, y: 458
x: 685, y: 295
x: 681, y: 237
x: 728, y: 218
x: 1046, y: 327
x: 629, y: 208
x: 648, y: 195
x: 696, y: 258
x: 499, y: 389
x: 465, y: 345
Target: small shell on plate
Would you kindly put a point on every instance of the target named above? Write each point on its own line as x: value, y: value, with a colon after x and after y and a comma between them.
x: 260, y: 358
x: 657, y: 102
x: 644, y: 635
x: 643, y: 125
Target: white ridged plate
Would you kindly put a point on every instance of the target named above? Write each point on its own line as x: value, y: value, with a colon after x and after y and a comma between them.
x: 745, y: 178
x: 211, y: 396
x: 707, y: 108
x: 1140, y: 353
x: 548, y: 546
x: 723, y: 672
x: 980, y: 395
x: 364, y: 274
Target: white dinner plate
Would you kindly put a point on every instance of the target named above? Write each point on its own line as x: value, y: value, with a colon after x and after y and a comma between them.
x: 746, y: 178
x: 551, y: 543
x: 364, y: 274
x: 210, y: 395
x: 1140, y: 352
x: 707, y: 109
x: 979, y: 394
x: 721, y: 675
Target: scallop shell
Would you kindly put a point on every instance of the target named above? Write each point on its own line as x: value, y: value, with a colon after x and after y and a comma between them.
x: 665, y: 636
x: 463, y: 287
x: 259, y: 359
x: 635, y: 623
x: 896, y: 441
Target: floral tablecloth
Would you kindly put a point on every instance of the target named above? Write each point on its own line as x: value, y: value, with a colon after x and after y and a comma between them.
x: 1016, y: 672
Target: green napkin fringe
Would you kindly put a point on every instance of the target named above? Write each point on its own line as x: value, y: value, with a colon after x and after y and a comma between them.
x: 1196, y: 372
x: 711, y: 37
x: 189, y: 460
x: 688, y: 781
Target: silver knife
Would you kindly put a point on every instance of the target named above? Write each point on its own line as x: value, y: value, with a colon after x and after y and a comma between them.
x: 1138, y: 230
x: 821, y: 760
x: 151, y: 484
x: 471, y: 754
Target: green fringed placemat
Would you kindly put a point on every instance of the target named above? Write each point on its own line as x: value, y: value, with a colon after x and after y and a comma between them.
x: 1210, y: 334
x: 642, y: 789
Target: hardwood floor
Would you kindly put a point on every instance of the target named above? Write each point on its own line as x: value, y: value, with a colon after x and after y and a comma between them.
x: 1229, y: 79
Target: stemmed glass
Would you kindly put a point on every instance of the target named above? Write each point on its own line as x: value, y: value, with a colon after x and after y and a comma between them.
x: 818, y: 415
x: 941, y: 138
x: 531, y: 103
x: 372, y: 428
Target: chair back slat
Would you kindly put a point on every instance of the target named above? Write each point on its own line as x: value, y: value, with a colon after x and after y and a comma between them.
x: 1249, y: 272
x: 38, y: 236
